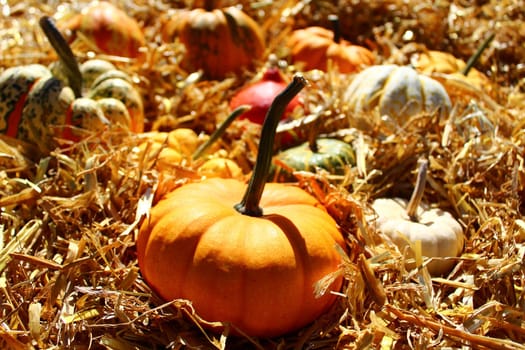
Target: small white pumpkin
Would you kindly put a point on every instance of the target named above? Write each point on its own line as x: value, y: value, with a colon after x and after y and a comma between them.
x: 407, y: 222
x: 397, y: 91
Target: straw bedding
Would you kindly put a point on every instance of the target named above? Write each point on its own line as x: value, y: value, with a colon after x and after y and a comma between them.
x: 68, y: 272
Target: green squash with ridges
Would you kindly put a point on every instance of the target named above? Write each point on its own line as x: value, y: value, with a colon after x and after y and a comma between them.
x: 331, y: 154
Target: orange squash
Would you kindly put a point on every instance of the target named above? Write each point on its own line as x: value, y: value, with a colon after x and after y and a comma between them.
x: 107, y: 28
x: 218, y: 41
x: 313, y: 47
x: 166, y: 149
x: 252, y: 267
x: 432, y: 61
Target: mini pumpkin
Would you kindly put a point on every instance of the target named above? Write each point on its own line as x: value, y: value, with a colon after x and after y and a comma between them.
x: 397, y: 91
x: 313, y: 47
x: 218, y: 40
x: 168, y: 149
x: 252, y: 267
x: 106, y: 28
x: 220, y: 167
x: 407, y: 223
x: 433, y: 61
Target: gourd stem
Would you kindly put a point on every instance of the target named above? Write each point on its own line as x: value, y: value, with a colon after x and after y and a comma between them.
x: 219, y: 131
x: 475, y: 57
x: 249, y: 204
x: 336, y: 28
x: 419, y: 190
x: 66, y: 56
x: 312, y: 135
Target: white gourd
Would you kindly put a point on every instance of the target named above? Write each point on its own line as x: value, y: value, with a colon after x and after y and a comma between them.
x: 397, y: 91
x: 440, y: 234
x: 407, y: 222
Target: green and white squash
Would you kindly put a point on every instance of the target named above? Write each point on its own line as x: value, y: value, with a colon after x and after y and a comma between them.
x: 37, y: 105
x: 330, y: 154
x: 397, y: 91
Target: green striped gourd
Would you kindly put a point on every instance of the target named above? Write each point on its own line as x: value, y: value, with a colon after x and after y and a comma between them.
x: 36, y: 106
x: 330, y: 154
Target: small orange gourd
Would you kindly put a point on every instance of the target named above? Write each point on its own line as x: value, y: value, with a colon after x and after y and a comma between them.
x: 313, y: 47
x: 167, y: 150
x: 107, y: 28
x: 218, y: 40
x: 432, y: 61
x: 252, y: 267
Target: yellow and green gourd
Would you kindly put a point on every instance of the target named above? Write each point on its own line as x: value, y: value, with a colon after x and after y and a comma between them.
x: 39, y: 104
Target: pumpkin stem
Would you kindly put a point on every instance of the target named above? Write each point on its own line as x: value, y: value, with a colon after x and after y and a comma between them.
x: 208, y: 5
x: 249, y: 204
x: 475, y: 57
x: 66, y: 56
x: 220, y: 130
x: 419, y: 190
x: 336, y: 27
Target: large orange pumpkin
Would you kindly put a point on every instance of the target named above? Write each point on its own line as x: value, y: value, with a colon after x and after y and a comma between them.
x: 254, y: 268
x: 313, y: 47
x: 218, y: 41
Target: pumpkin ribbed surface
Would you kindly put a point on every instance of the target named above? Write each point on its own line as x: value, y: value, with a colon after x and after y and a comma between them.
x: 219, y: 41
x: 108, y: 28
x: 256, y: 272
x: 314, y: 47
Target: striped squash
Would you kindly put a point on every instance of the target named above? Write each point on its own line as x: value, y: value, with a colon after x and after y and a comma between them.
x: 37, y: 106
x: 332, y: 155
x: 397, y: 91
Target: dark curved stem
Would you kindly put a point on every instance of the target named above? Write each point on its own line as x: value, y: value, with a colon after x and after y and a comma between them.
x: 249, y: 205
x: 336, y: 27
x: 419, y: 190
x: 475, y: 57
x: 219, y: 131
x: 66, y: 56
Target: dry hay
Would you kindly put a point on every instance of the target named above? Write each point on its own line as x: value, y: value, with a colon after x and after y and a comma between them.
x: 69, y: 275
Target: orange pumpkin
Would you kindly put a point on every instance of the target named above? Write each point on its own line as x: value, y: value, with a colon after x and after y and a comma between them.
x: 254, y: 268
x: 167, y: 149
x: 313, y: 47
x: 218, y: 41
x: 432, y: 61
x: 107, y: 28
